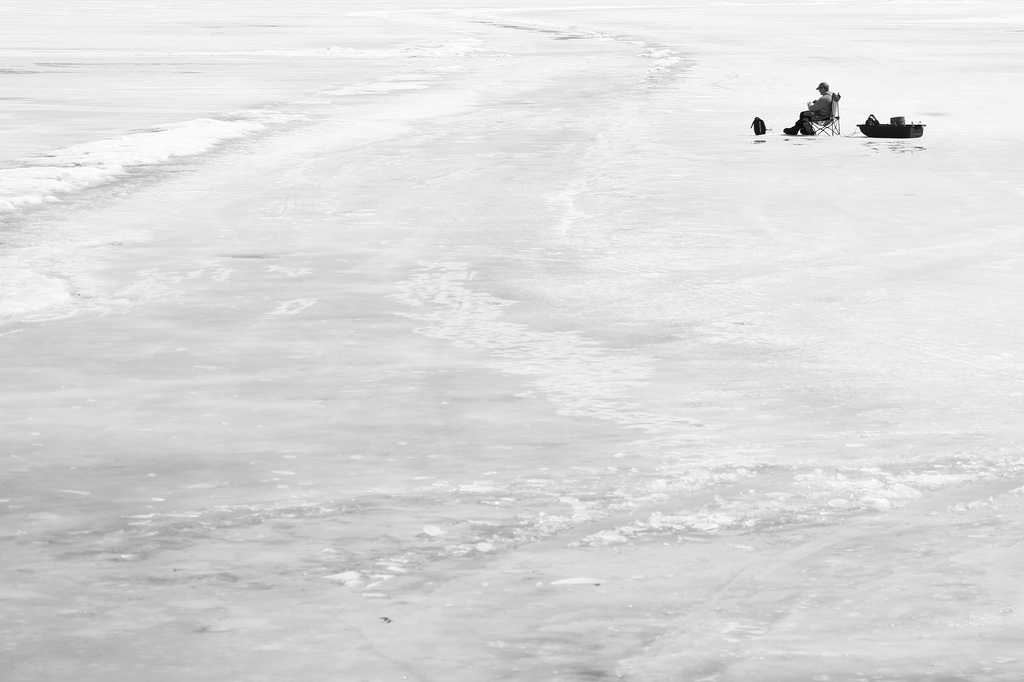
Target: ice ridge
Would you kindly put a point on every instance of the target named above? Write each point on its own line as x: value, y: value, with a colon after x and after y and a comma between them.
x: 79, y: 167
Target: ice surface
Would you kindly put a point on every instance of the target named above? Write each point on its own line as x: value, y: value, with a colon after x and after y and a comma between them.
x: 439, y: 341
x: 81, y: 166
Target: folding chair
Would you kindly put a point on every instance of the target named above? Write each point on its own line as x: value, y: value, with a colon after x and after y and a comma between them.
x: 828, y: 126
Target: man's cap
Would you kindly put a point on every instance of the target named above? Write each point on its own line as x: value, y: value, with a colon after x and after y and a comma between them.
x: 823, y: 84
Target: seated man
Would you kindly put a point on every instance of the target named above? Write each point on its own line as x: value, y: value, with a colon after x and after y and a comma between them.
x: 818, y: 110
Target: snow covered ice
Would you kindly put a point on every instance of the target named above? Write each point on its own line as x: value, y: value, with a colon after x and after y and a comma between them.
x: 451, y: 341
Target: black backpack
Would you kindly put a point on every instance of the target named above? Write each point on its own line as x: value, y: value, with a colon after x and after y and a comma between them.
x: 758, y: 126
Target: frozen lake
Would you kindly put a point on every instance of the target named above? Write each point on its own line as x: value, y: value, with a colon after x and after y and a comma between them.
x: 455, y: 342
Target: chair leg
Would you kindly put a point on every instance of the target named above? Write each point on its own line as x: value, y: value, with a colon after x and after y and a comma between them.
x: 830, y: 128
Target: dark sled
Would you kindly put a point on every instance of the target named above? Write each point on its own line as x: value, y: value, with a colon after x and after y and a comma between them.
x: 892, y: 131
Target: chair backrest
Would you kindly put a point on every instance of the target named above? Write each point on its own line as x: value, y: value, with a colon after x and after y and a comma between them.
x: 835, y: 104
